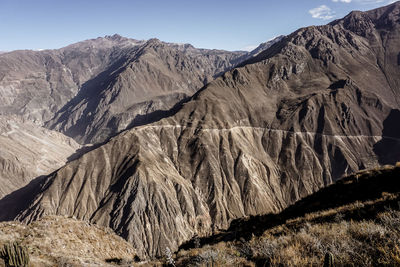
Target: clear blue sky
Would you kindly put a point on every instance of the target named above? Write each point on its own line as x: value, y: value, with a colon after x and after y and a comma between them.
x: 224, y: 24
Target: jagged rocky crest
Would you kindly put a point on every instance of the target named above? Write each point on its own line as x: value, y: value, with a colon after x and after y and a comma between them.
x: 310, y: 109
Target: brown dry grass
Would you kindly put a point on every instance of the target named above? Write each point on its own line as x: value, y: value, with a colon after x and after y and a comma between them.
x: 302, y: 243
x: 361, y: 229
x: 62, y: 241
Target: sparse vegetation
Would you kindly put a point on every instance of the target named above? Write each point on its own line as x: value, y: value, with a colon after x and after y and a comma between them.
x: 168, y: 257
x: 346, y: 243
x: 14, y: 255
x: 353, y: 223
x: 63, y: 241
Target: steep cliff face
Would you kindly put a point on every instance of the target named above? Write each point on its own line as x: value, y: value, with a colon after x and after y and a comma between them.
x: 298, y: 116
x: 28, y: 151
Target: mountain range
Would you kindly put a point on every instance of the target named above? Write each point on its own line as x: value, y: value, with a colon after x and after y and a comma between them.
x: 96, y: 88
x: 90, y: 91
x: 188, y: 140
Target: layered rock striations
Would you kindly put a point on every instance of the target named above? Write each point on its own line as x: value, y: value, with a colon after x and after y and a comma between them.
x: 28, y: 151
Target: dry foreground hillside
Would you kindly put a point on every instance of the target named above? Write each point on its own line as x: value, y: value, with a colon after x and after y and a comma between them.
x: 188, y: 142
x: 354, y: 222
x: 63, y: 241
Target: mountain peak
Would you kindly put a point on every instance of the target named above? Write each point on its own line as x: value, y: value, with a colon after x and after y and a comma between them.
x: 385, y: 12
x: 115, y: 37
x: 154, y: 41
x: 363, y: 22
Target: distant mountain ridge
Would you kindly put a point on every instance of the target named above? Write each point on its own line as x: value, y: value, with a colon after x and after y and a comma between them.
x: 35, y: 84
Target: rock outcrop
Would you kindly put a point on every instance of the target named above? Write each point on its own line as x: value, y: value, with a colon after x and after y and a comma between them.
x: 287, y: 122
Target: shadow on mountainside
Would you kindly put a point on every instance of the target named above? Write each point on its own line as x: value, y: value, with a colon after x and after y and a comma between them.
x: 366, y: 185
x: 14, y: 203
x: 398, y: 59
x: 83, y: 150
x: 388, y: 149
x: 90, y: 94
x: 156, y: 115
x: 139, y: 120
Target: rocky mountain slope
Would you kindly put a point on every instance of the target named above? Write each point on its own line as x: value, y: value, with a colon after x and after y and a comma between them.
x: 36, y: 84
x: 354, y: 221
x: 28, y: 151
x: 151, y: 79
x: 317, y: 105
x: 266, y: 45
x: 92, y: 91
x: 96, y: 88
